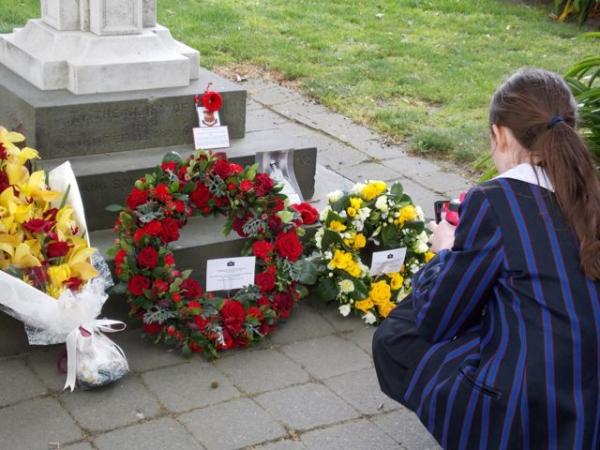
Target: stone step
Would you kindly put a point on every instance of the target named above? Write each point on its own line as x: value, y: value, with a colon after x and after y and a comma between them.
x: 107, y: 178
x: 61, y: 124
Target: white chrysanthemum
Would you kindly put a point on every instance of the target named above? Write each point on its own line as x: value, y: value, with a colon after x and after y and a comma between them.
x: 423, y: 237
x: 370, y: 318
x: 319, y: 237
x: 324, y: 213
x: 328, y: 254
x: 346, y: 286
x: 402, y: 294
x: 363, y: 213
x: 357, y: 188
x: 335, y: 196
x: 381, y: 204
x: 420, y: 213
x: 345, y: 310
x: 358, y: 225
x: 420, y: 246
x: 414, y: 268
x: 343, y: 214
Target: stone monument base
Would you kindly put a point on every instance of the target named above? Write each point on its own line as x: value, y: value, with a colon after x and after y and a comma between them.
x: 85, y: 63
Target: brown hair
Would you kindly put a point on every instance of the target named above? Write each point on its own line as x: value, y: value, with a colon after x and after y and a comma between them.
x: 539, y: 109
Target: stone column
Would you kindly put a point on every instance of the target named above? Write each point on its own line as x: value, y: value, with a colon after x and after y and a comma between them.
x: 61, y: 14
x: 115, y: 17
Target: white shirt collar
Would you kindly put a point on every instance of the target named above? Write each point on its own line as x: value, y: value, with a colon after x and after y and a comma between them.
x: 529, y: 174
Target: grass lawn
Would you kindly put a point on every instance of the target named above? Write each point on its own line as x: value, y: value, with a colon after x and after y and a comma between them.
x: 422, y: 70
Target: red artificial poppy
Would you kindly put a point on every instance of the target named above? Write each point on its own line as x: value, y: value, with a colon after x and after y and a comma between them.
x: 212, y: 101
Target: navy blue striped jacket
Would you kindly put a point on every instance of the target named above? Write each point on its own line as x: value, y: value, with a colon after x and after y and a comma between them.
x: 516, y: 329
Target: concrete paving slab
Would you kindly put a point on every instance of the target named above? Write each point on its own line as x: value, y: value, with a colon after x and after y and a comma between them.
x: 406, y: 429
x: 118, y: 405
x: 355, y: 435
x: 306, y: 406
x: 285, y: 444
x: 328, y: 356
x: 143, y: 355
x: 18, y: 382
x: 189, y: 386
x: 262, y: 370
x: 363, y: 337
x: 361, y: 390
x: 159, y: 434
x: 213, y: 425
x: 304, y: 323
x: 49, y: 423
x: 368, y: 171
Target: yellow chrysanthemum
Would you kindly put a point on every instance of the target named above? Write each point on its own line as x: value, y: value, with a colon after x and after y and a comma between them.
x: 396, y: 281
x: 359, y: 241
x: 380, y: 186
x: 364, y: 305
x: 369, y: 192
x: 385, y: 308
x: 337, y: 226
x: 355, y: 202
x: 353, y: 269
x: 429, y: 256
x: 380, y: 292
x: 341, y: 260
x: 407, y: 214
x: 351, y: 211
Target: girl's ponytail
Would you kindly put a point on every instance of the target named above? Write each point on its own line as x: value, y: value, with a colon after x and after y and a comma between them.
x: 539, y: 109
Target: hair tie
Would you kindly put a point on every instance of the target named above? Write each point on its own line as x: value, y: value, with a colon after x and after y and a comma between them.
x: 555, y: 120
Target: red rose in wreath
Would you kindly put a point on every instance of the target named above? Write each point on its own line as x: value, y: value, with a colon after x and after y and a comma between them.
x: 172, y: 305
x: 309, y: 214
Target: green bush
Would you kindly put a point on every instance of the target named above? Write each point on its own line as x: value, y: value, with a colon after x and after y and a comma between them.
x: 584, y: 80
x: 580, y: 8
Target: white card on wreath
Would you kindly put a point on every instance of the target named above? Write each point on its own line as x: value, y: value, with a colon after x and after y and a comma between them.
x: 226, y: 274
x: 387, y: 261
x: 207, y: 138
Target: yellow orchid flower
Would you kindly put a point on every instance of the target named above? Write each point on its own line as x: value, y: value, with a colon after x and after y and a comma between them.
x: 36, y: 248
x: 26, y: 154
x: 59, y: 274
x: 10, y: 136
x: 16, y: 173
x: 8, y: 243
x: 35, y: 187
x: 23, y: 259
x: 64, y: 222
x: 23, y: 213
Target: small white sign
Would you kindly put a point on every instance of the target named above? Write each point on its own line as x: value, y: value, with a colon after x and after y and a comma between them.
x: 211, y: 137
x: 226, y: 274
x: 387, y: 261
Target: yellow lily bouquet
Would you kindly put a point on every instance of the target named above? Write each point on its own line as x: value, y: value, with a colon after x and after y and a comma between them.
x: 41, y: 240
x: 48, y: 270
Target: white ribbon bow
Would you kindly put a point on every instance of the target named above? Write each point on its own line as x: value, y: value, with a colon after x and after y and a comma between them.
x: 95, y: 326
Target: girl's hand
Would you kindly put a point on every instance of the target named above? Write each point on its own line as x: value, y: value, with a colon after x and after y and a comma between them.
x: 443, y: 236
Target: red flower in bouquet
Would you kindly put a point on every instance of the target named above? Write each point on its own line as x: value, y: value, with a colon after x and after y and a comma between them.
x: 223, y: 168
x: 161, y: 286
x: 288, y: 245
x: 283, y: 303
x: 3, y: 182
x: 170, y: 230
x: 201, y: 195
x: 120, y: 257
x: 138, y: 284
x: 255, y: 312
x: 263, y: 184
x: 191, y: 288
x: 58, y: 249
x: 266, y: 280
x: 38, y: 225
x: 309, y: 214
x: 212, y: 101
x: 227, y: 342
x: 136, y: 198
x: 194, y: 305
x: 3, y: 152
x: 161, y: 192
x: 152, y: 328
x: 147, y: 258
x: 170, y: 259
x: 179, y: 206
x: 169, y: 165
x: 246, y: 186
x: 201, y: 322
x: 261, y: 249
x: 233, y: 316
x: 73, y: 283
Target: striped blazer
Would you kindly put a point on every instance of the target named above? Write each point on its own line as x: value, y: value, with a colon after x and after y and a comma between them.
x: 515, y: 327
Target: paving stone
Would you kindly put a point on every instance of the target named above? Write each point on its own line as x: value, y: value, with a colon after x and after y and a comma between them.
x: 43, y: 361
x: 143, y: 355
x: 123, y: 403
x: 361, y: 390
x: 270, y: 93
x: 48, y: 423
x: 412, y: 166
x: 379, y: 149
x: 368, y: 171
x: 330, y: 312
x: 328, y: 356
x: 17, y: 382
x: 304, y: 323
x: 285, y: 444
x: 262, y: 370
x: 327, y: 181
x: 335, y: 154
x: 363, y: 337
x: 213, y: 425
x: 264, y: 119
x: 158, y: 434
x: 306, y: 406
x: 406, y: 429
x: 78, y: 446
x: 189, y: 386
x: 355, y: 435
x: 442, y: 181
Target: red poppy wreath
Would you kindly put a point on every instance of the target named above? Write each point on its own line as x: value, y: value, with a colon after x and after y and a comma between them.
x: 172, y: 305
